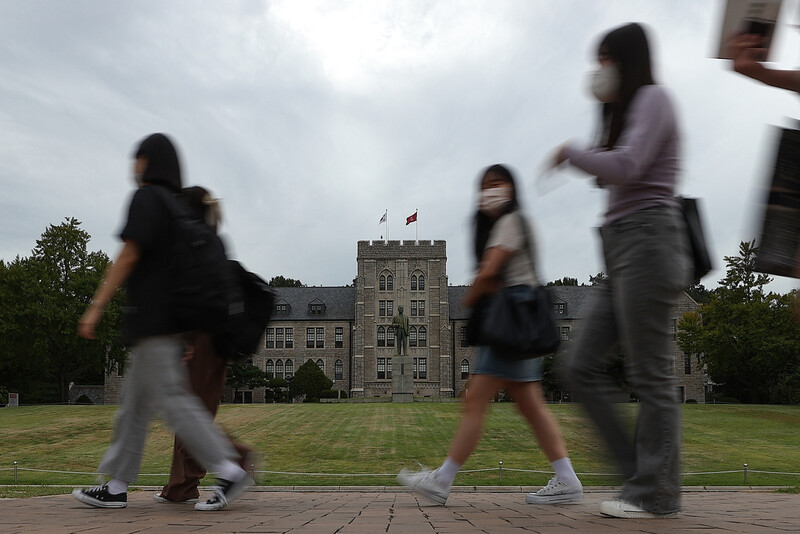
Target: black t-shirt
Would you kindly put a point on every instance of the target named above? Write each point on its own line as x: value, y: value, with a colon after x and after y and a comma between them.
x: 151, y: 226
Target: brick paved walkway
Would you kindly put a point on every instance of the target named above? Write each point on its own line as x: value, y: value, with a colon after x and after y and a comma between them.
x: 393, y: 511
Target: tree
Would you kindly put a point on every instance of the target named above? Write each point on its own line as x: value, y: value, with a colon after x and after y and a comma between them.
x: 277, y: 385
x: 43, y: 298
x: 280, y: 281
x: 698, y: 292
x: 309, y: 380
x: 598, y: 279
x: 566, y: 281
x: 244, y: 375
x: 747, y: 339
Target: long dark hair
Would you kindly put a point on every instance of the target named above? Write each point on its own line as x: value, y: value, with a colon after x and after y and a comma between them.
x: 484, y: 223
x: 163, y: 165
x: 627, y: 46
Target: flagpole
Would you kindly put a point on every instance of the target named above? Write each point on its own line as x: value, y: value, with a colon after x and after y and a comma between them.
x: 416, y: 225
x: 387, y: 225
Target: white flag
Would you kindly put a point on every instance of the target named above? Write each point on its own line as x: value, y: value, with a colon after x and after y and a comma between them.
x: 383, y: 219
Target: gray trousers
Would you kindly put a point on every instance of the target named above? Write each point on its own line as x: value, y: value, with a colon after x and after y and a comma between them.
x: 647, y: 261
x: 156, y: 381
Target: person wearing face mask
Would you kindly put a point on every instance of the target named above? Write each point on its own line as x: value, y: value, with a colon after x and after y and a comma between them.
x: 505, y: 255
x: 647, y: 260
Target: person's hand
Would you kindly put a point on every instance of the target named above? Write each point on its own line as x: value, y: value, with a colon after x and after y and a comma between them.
x: 88, y: 322
x: 747, y: 54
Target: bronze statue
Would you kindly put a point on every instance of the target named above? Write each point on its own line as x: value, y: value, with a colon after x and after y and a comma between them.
x: 400, y: 327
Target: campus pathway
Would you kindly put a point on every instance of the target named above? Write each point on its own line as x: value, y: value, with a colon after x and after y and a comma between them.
x: 388, y: 510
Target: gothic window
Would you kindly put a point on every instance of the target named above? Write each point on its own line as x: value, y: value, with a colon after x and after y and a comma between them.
x: 279, y: 369
x: 270, y: 369
x: 390, y: 337
x: 321, y: 365
x: 381, y: 336
x: 413, y: 282
x: 422, y: 337
x: 421, y: 282
x: 382, y: 283
x: 389, y: 283
x: 412, y: 336
x: 338, y: 370
x: 289, y: 368
x: 464, y: 369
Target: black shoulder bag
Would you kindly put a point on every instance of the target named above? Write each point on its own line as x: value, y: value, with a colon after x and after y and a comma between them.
x: 516, y: 321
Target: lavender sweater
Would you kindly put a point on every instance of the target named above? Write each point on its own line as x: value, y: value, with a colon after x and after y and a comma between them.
x: 641, y: 170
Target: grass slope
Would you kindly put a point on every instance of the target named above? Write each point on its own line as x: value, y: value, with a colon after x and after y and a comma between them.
x: 383, y: 438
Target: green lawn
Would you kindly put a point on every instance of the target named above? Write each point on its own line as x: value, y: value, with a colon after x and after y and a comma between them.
x: 383, y: 438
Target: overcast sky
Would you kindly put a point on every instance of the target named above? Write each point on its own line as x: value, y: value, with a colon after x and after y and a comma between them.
x: 311, y: 118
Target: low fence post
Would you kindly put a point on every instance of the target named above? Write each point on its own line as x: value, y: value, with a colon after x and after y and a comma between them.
x: 501, y: 473
x: 15, y: 471
x: 745, y: 473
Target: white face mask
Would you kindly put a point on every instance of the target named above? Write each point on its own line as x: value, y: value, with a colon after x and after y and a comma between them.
x: 494, y: 200
x: 604, y: 83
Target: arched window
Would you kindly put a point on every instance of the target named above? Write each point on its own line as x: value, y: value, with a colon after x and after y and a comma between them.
x: 270, y: 369
x: 412, y: 336
x: 279, y: 369
x: 338, y: 370
x: 382, y: 283
x: 422, y: 337
x: 289, y: 368
x: 390, y: 337
x: 421, y: 283
x: 413, y: 282
x: 464, y: 369
x: 381, y: 336
x: 321, y: 365
x: 389, y: 283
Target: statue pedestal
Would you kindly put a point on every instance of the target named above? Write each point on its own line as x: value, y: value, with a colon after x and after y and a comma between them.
x: 402, y: 379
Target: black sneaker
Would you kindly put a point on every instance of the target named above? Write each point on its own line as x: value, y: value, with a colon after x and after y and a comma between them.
x: 100, y: 497
x: 224, y: 492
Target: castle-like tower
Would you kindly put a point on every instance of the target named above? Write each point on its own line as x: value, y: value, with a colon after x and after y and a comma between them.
x: 411, y: 274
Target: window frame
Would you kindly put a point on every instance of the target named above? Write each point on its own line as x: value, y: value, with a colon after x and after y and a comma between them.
x: 338, y: 337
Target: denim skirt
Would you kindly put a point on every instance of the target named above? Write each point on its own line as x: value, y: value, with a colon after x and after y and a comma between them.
x: 489, y: 363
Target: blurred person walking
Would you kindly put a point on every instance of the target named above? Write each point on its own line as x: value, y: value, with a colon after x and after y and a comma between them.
x: 504, y: 252
x: 647, y: 259
x: 206, y: 369
x: 155, y: 380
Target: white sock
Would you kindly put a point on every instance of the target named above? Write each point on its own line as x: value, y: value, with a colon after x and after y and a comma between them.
x: 228, y: 470
x: 565, y: 472
x: 116, y: 486
x: 447, y: 472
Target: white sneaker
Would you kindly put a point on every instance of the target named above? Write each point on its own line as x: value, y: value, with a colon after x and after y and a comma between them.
x: 425, y: 483
x: 163, y: 500
x: 626, y: 510
x: 224, y: 492
x: 556, y: 492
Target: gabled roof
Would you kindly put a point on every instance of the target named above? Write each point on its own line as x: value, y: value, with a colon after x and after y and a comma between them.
x: 340, y: 302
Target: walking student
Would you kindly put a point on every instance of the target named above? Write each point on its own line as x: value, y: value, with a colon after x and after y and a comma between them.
x: 645, y: 247
x: 505, y: 256
x: 155, y: 379
x: 206, y: 371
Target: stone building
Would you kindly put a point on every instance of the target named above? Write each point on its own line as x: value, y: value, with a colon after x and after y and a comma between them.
x: 346, y: 330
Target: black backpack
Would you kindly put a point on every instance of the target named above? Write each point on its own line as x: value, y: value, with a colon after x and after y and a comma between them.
x: 201, y: 280
x: 251, y: 307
